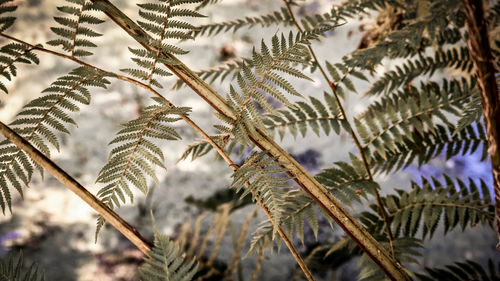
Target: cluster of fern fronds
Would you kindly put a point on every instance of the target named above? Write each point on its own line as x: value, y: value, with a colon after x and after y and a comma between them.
x: 416, y: 112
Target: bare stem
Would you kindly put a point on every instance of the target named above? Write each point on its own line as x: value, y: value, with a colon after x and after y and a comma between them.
x: 113, y: 218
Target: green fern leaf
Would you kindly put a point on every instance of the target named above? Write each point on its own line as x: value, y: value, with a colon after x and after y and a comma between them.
x: 73, y: 35
x: 260, y: 172
x: 394, y: 118
x: 166, y: 261
x: 164, y: 21
x: 13, y: 53
x: 422, y: 148
x: 461, y: 271
x: 12, y: 270
x: 317, y: 116
x: 135, y: 154
x: 38, y: 123
x: 267, y: 79
x: 424, y: 206
x: 273, y: 18
x: 472, y: 112
x: 6, y: 6
x: 457, y: 58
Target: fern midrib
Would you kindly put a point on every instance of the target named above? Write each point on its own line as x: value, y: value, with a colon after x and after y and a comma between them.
x: 28, y: 138
x: 228, y: 25
x: 132, y: 154
x: 158, y: 51
x: 289, y: 123
x: 478, y: 208
x: 399, y: 122
x: 76, y: 30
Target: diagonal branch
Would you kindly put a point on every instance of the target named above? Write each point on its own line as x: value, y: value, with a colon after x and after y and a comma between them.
x: 190, y: 122
x: 480, y: 50
x: 318, y: 192
x: 113, y: 218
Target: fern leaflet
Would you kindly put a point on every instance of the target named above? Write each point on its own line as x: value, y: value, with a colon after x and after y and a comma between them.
x: 258, y: 176
x: 74, y: 35
x: 212, y: 29
x: 13, y: 53
x: 166, y: 262
x: 135, y: 155
x: 317, y: 117
x: 426, y: 204
x: 37, y: 121
x: 162, y: 19
x: 12, y: 270
x: 409, y: 110
x: 462, y: 271
x: 265, y: 80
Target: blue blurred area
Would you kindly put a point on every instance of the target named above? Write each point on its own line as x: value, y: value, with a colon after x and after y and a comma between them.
x: 461, y: 167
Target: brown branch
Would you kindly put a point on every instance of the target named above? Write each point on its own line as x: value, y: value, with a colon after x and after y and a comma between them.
x: 482, y: 58
x: 190, y: 122
x: 380, y: 203
x: 113, y: 218
x: 318, y: 192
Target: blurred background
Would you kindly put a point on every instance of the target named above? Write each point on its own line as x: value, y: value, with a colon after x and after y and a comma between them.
x: 55, y: 228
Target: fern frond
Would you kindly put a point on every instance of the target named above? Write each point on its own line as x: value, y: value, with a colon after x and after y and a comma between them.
x: 298, y: 206
x: 201, y: 147
x: 423, y: 207
x: 462, y: 271
x: 38, y: 122
x: 386, y: 123
x: 343, y: 12
x: 13, y: 53
x: 408, y: 40
x: 340, y: 77
x: 317, y: 116
x: 12, y: 270
x: 74, y: 35
x: 347, y: 182
x: 167, y: 262
x: 262, y: 177
x: 6, y: 6
x: 277, y: 17
x: 135, y: 155
x: 471, y: 113
x: 455, y: 58
x: 266, y: 79
x: 422, y: 148
x: 164, y: 20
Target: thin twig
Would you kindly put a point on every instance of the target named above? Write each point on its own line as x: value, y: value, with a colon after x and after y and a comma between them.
x: 380, y: 203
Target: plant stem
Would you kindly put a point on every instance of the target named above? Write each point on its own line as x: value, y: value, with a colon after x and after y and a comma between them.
x: 482, y: 58
x: 380, y: 203
x: 191, y: 123
x: 306, y: 181
x: 113, y: 218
